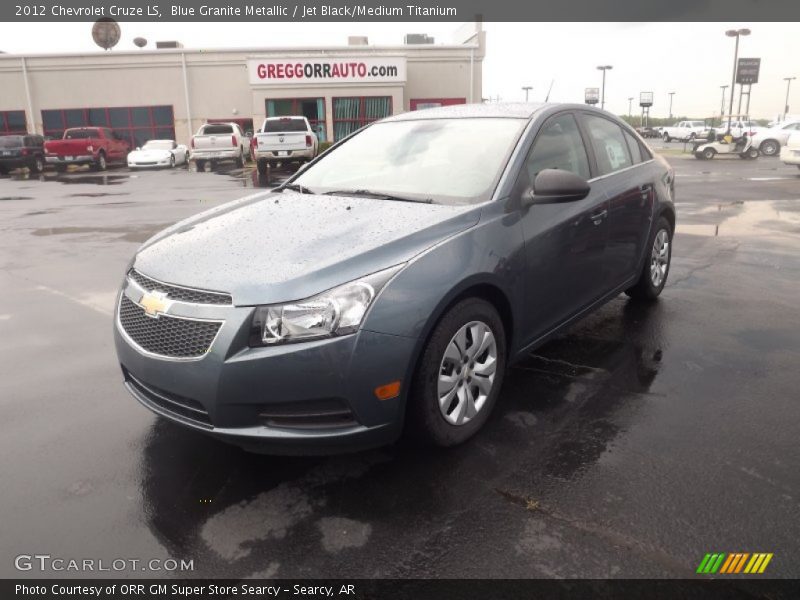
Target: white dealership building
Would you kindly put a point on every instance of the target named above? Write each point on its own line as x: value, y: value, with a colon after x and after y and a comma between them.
x: 170, y: 92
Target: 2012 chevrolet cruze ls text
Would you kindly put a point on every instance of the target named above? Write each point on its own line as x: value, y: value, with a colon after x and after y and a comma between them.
x: 391, y: 282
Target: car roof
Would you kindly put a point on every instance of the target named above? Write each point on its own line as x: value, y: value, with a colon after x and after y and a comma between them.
x: 519, y: 110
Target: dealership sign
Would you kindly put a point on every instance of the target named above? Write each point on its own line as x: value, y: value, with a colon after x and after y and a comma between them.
x: 591, y: 95
x: 747, y: 70
x: 361, y: 69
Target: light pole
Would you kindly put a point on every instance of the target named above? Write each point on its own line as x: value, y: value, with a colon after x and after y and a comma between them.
x: 722, y: 104
x: 603, y: 68
x: 737, y: 33
x: 788, y: 81
x: 630, y: 106
x: 671, y: 94
x: 527, y: 89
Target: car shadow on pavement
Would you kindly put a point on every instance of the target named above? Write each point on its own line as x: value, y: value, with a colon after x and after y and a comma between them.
x: 238, y: 514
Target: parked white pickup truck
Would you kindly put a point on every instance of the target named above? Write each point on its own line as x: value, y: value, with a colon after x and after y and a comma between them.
x: 282, y: 140
x: 217, y: 142
x: 685, y: 130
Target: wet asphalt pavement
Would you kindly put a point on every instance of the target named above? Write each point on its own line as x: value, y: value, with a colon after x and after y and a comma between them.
x: 630, y: 446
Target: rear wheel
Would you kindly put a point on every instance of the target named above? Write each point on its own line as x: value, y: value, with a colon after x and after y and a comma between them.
x: 263, y: 167
x: 200, y: 165
x: 240, y: 160
x: 667, y: 138
x: 37, y: 166
x: 769, y: 147
x: 3, y: 170
x: 752, y: 153
x: 656, y: 268
x: 709, y: 153
x: 459, y: 375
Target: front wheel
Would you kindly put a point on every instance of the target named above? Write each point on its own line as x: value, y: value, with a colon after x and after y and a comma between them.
x: 100, y: 164
x: 172, y: 162
x: 459, y: 375
x: 654, y: 272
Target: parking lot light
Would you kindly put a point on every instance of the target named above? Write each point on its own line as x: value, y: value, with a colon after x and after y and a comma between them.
x: 788, y: 81
x: 603, y: 68
x: 737, y: 33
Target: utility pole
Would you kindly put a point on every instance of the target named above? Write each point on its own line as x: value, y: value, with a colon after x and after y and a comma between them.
x: 671, y: 94
x: 788, y: 81
x: 722, y: 105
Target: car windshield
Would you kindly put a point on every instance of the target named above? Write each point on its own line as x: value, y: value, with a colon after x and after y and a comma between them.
x: 11, y: 141
x: 158, y: 145
x: 449, y: 161
x: 80, y: 134
x: 287, y: 124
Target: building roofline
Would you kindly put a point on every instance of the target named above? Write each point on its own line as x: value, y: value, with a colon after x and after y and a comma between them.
x: 246, y: 50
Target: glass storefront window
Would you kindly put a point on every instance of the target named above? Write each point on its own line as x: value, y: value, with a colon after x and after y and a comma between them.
x: 351, y: 114
x: 12, y: 121
x: 312, y: 109
x: 137, y: 124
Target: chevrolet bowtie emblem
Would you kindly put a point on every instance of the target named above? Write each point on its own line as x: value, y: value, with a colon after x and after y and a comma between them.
x: 154, y: 303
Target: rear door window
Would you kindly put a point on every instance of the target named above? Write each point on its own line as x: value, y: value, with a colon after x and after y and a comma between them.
x: 608, y: 142
x: 284, y: 125
x: 633, y: 146
x: 217, y: 129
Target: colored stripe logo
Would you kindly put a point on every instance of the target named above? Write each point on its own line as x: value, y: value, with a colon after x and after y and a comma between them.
x: 733, y: 563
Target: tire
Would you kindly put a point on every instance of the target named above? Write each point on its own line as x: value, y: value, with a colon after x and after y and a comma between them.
x: 200, y: 165
x: 655, y: 269
x: 709, y: 153
x: 61, y: 168
x: 667, y: 138
x: 769, y: 147
x: 240, y: 160
x: 37, y: 166
x: 469, y: 406
x: 172, y: 161
x: 100, y: 164
x: 263, y: 167
x: 3, y: 171
x: 752, y: 153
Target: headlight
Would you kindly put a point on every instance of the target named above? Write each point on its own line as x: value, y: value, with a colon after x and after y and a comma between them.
x: 338, y: 311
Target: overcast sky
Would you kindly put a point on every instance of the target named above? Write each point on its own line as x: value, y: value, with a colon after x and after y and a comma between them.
x: 691, y: 59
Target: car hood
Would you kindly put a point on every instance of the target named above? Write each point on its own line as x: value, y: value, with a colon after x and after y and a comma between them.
x: 149, y: 155
x: 286, y: 246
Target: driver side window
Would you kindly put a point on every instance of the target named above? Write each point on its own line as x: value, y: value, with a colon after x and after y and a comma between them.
x: 558, y: 145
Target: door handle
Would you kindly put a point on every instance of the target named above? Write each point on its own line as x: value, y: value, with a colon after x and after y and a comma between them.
x: 645, y: 189
x: 598, y: 217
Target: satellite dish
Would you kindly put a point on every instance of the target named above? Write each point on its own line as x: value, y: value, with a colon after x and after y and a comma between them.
x: 106, y: 33
x: 140, y: 42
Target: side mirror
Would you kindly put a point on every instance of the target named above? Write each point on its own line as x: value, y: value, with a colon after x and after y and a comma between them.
x: 555, y: 185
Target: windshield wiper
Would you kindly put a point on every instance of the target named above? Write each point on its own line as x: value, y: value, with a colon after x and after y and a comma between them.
x: 295, y: 187
x: 378, y: 195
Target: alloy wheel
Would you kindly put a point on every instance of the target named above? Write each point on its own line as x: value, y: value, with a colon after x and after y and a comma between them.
x: 659, y: 258
x: 467, y: 372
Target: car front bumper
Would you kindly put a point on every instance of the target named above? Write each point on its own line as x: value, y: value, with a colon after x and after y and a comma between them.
x: 149, y: 164
x: 315, y: 397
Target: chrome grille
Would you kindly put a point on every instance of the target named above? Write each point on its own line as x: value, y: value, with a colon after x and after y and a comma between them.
x: 181, y: 294
x: 172, y: 337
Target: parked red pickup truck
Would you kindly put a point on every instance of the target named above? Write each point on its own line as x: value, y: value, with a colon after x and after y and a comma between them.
x: 95, y: 146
